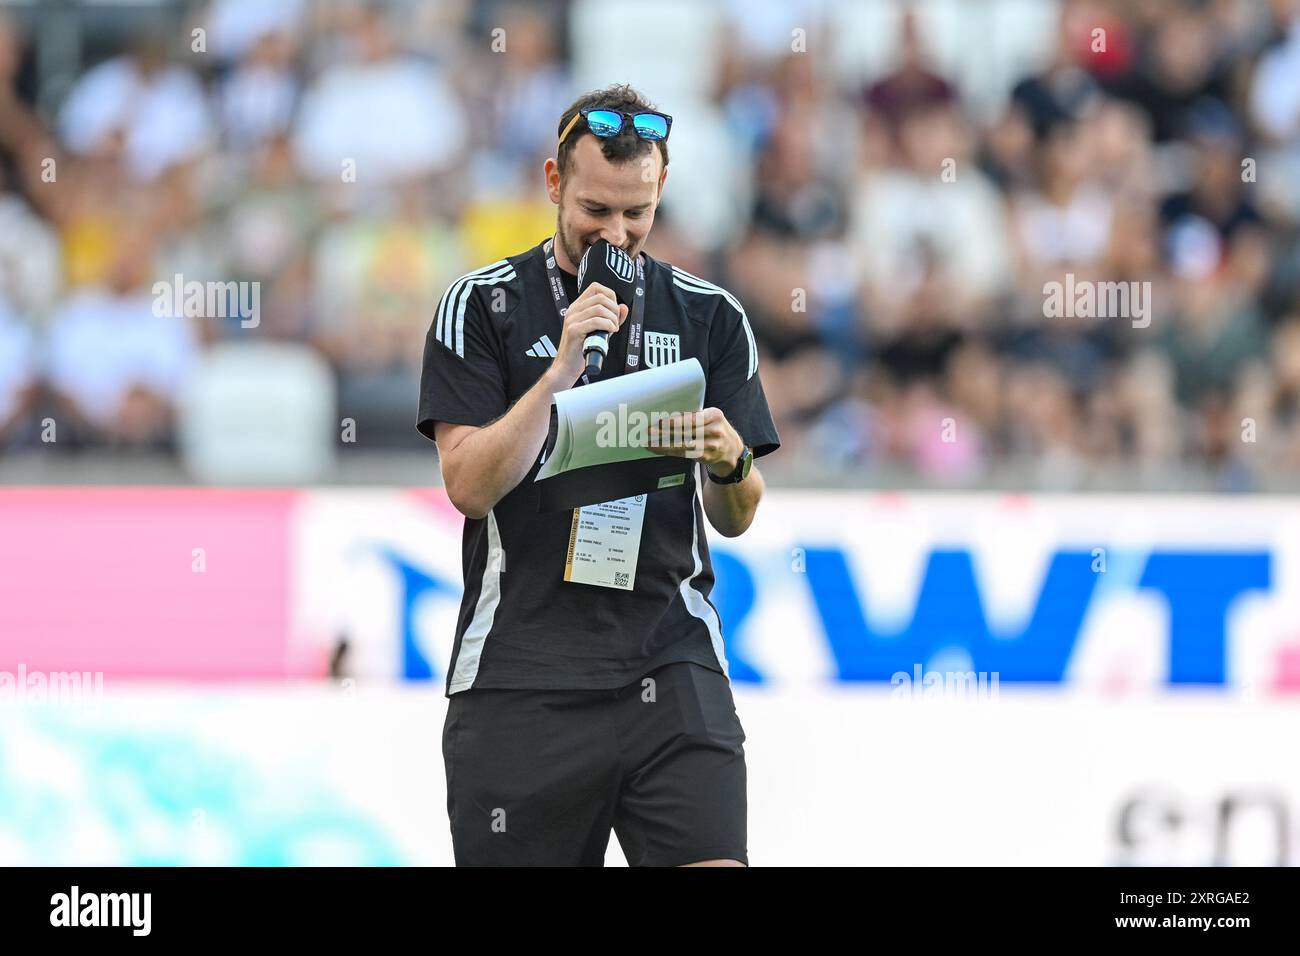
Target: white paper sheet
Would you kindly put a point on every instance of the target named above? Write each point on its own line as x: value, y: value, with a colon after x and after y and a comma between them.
x: 583, y: 425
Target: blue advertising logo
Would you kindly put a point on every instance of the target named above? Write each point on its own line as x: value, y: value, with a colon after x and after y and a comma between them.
x: 1199, y: 587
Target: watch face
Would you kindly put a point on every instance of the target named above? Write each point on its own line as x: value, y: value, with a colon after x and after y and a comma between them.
x: 746, y: 461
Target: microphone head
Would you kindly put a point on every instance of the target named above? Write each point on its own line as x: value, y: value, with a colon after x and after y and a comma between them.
x: 611, y: 267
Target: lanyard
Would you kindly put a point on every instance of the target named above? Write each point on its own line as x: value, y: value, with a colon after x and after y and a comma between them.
x: 635, y: 316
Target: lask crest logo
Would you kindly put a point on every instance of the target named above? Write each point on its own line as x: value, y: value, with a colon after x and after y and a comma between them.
x: 619, y: 262
x: 662, y: 348
x: 633, y: 343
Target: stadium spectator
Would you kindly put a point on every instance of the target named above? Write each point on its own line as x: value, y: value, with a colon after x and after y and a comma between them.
x: 117, y: 363
x: 390, y: 115
x: 151, y: 113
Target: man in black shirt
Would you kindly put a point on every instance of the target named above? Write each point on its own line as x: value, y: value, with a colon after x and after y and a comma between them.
x: 577, y: 708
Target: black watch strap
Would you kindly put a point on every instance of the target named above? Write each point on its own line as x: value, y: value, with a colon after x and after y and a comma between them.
x: 743, y: 464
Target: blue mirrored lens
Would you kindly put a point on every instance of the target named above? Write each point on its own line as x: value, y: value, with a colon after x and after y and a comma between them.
x: 604, y: 122
x: 650, y: 126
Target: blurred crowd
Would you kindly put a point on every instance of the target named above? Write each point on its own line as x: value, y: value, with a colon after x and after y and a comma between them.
x: 887, y: 187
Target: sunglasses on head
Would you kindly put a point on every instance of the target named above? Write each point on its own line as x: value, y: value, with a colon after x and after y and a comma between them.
x: 649, y: 125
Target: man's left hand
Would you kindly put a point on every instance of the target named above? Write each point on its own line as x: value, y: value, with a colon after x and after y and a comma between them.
x: 706, y: 435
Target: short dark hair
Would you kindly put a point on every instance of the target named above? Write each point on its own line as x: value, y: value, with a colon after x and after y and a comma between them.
x: 617, y: 149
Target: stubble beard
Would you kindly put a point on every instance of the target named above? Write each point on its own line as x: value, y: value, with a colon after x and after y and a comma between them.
x: 572, y: 248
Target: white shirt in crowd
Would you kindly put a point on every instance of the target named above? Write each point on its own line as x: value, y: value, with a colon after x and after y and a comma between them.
x: 165, y: 116
x: 102, y: 345
x: 395, y: 119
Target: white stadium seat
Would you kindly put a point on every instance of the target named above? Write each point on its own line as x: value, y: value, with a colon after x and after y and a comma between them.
x: 259, y: 414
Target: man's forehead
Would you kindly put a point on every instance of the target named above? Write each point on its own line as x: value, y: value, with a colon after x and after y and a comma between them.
x: 595, y: 178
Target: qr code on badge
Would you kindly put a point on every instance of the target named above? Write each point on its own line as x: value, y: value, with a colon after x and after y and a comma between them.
x: 620, y: 579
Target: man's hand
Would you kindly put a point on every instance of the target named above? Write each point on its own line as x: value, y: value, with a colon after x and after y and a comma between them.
x: 596, y: 310
x: 706, y: 435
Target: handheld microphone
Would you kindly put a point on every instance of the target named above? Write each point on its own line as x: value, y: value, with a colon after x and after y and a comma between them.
x: 614, y: 269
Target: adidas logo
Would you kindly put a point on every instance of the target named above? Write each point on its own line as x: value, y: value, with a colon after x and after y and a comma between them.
x: 542, y: 348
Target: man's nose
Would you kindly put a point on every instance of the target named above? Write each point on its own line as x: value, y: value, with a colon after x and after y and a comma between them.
x: 615, y: 237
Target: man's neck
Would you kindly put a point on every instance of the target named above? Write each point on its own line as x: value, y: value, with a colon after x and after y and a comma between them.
x: 562, y: 257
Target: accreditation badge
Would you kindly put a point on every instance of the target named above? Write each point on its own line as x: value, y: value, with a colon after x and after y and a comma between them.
x: 604, y: 543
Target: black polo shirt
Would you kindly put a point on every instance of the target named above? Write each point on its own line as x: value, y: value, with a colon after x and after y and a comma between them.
x: 521, y: 625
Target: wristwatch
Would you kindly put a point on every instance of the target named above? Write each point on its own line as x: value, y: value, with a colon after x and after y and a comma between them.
x: 740, y: 474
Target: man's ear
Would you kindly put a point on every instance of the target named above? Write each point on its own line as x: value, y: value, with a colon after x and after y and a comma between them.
x: 551, y: 170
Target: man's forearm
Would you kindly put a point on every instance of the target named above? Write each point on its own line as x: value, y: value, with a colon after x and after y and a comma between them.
x: 731, y: 508
x: 489, y: 463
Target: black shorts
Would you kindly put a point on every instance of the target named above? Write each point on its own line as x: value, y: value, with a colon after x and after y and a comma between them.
x: 540, y: 777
